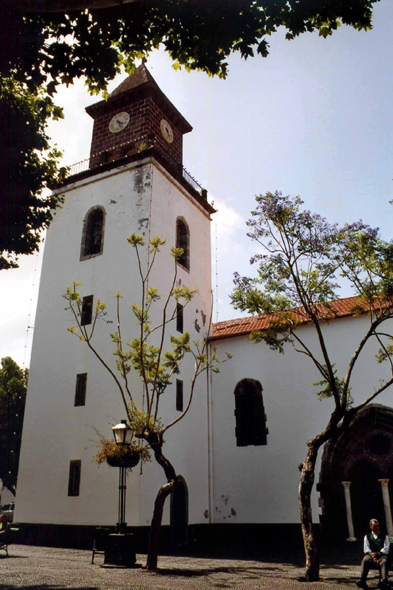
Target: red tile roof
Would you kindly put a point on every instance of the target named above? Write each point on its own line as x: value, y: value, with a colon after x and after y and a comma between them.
x: 242, y: 326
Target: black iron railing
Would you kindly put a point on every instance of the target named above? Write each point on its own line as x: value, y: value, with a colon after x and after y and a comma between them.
x: 139, y: 145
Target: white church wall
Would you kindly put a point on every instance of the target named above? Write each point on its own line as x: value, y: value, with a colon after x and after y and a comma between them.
x: 186, y: 442
x: 260, y: 483
x: 55, y: 431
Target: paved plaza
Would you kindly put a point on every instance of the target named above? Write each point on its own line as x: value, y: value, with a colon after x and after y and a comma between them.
x: 48, y: 568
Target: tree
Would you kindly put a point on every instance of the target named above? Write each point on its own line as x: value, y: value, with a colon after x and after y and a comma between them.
x: 302, y: 257
x: 145, y: 354
x: 29, y: 167
x: 13, y: 389
x: 46, y: 43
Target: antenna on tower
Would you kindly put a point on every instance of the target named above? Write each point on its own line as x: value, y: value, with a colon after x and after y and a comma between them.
x: 216, y: 275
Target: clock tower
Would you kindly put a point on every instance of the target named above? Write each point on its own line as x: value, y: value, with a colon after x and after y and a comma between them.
x: 133, y: 181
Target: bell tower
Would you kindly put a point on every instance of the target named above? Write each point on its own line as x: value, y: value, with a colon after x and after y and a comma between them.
x: 133, y: 181
x: 137, y: 114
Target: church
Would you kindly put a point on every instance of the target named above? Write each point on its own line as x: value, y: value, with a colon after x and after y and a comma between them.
x: 239, y: 447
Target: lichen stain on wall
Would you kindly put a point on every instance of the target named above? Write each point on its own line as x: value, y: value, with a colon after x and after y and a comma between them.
x: 223, y: 510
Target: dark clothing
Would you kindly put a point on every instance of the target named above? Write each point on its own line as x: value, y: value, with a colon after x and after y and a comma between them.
x: 4, y: 536
x: 376, y: 545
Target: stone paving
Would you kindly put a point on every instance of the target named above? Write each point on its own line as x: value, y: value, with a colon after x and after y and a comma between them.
x: 48, y: 568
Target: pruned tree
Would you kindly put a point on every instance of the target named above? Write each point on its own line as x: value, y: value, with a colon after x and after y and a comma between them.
x: 301, y: 258
x: 50, y: 42
x: 146, y: 354
x: 13, y: 389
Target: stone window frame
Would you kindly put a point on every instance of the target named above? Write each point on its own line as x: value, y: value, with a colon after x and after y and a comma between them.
x: 184, y: 261
x: 84, y: 256
x: 250, y: 414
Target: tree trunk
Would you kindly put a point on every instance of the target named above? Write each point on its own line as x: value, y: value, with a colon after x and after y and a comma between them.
x: 165, y: 490
x: 155, y: 527
x: 305, y: 488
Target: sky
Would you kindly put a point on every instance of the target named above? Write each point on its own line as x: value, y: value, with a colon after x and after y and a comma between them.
x: 314, y: 119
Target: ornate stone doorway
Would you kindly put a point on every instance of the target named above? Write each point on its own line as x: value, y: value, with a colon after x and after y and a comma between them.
x: 353, y: 479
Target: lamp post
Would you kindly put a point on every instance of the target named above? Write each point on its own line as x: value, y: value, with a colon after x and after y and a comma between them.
x: 123, y: 436
x: 120, y: 546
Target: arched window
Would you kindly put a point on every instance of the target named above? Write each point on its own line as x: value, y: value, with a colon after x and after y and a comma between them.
x: 93, y: 233
x: 250, y: 414
x: 179, y: 513
x: 183, y: 241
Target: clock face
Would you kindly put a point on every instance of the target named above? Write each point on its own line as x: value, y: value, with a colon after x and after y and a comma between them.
x: 119, y: 122
x: 166, y: 131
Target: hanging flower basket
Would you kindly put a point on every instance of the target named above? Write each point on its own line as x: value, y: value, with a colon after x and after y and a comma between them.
x: 128, y: 458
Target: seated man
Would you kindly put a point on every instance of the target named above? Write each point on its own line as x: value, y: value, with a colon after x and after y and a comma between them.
x: 4, y: 530
x: 376, y: 549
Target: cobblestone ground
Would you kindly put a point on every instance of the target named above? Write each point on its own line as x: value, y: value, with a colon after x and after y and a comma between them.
x: 34, y: 568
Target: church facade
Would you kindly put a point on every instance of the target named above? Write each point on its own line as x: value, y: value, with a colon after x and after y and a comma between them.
x: 237, y: 470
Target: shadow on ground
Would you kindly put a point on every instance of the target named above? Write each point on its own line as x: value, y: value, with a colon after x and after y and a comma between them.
x: 45, y: 587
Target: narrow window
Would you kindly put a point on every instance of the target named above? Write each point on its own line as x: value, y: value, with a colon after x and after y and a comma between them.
x: 93, y: 233
x: 250, y: 414
x: 183, y: 241
x: 80, y: 389
x: 179, y: 395
x: 87, y: 310
x: 179, y: 318
x: 74, y: 478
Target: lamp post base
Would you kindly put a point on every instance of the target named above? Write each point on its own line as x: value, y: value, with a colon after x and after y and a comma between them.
x: 120, y: 551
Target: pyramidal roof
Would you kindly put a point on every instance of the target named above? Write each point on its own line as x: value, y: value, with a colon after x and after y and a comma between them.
x: 138, y: 78
x: 141, y: 81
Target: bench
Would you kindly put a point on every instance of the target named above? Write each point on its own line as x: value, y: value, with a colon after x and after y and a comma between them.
x: 100, y: 540
x: 10, y: 539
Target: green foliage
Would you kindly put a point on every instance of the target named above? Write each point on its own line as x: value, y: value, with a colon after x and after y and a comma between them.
x: 300, y: 262
x: 28, y: 166
x: 42, y: 49
x: 328, y: 392
x: 13, y: 389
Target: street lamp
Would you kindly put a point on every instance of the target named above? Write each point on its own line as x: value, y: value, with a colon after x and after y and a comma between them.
x: 120, y: 546
x: 123, y: 436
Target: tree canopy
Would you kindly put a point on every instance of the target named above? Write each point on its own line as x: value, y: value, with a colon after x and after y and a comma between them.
x: 46, y: 43
x: 13, y: 389
x: 301, y: 259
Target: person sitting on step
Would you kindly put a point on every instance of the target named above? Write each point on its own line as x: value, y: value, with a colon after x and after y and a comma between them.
x: 376, y: 548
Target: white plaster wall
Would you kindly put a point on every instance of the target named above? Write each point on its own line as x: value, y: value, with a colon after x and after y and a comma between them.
x: 55, y: 431
x: 259, y: 484
x: 186, y: 442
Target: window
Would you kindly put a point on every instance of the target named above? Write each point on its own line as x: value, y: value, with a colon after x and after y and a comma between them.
x: 179, y: 318
x: 80, y: 389
x: 74, y: 478
x: 87, y: 310
x: 250, y: 414
x: 183, y: 241
x: 179, y: 395
x: 93, y: 233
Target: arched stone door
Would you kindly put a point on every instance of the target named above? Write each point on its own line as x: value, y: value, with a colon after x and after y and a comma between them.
x: 362, y: 456
x: 179, y: 513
